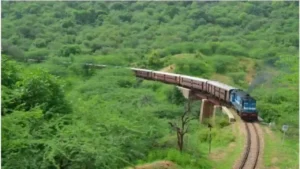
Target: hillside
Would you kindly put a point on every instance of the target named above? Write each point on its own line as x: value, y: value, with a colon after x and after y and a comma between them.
x: 58, y: 113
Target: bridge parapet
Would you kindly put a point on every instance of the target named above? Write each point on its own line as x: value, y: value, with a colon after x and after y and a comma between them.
x: 185, y: 92
x: 229, y: 114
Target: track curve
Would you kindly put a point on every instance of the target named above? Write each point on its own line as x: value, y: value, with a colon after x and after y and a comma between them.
x: 252, y: 150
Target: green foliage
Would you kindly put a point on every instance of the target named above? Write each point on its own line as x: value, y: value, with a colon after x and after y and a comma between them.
x: 221, y: 120
x: 9, y: 100
x: 234, y: 28
x: 288, y: 147
x: 193, y: 67
x: 279, y: 103
x: 111, y: 120
x: 40, y: 88
x: 113, y: 108
x: 175, y: 96
x: 154, y: 60
x: 86, y: 17
x: 10, y: 76
x: 229, y: 48
x: 184, y: 160
x: 38, y: 54
x: 9, y: 72
x: 40, y: 43
x: 238, y: 78
x: 13, y: 51
x: 20, y: 139
x: 66, y: 51
x: 28, y: 89
x: 223, y: 64
x: 26, y: 32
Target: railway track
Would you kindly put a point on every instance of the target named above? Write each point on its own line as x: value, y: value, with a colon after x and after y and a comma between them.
x: 251, y: 154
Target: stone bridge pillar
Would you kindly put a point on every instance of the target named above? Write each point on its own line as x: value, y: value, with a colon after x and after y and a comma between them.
x: 208, y: 107
x: 206, y: 110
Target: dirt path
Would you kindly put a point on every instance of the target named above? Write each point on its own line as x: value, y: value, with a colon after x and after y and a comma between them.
x: 156, y: 165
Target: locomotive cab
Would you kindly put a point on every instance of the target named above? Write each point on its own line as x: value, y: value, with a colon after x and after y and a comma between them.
x: 244, y: 104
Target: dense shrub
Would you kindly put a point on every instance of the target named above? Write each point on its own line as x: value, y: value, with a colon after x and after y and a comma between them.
x: 193, y: 67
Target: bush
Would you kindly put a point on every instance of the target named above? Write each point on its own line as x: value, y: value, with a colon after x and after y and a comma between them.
x: 238, y: 78
x: 154, y: 60
x: 38, y: 54
x: 175, y: 96
x: 224, y: 63
x: 39, y: 88
x: 40, y: 43
x: 13, y: 51
x: 68, y: 50
x: 205, y: 49
x: 10, y: 72
x: 185, y: 160
x: 193, y: 67
x: 229, y: 48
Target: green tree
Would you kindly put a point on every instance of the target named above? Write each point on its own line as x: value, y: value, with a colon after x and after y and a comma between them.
x: 182, y: 128
x: 21, y: 139
x: 9, y: 72
x: 68, y: 50
x: 13, y: 51
x: 175, y: 96
x: 10, y: 76
x: 39, y: 88
x: 154, y: 59
x: 38, y: 54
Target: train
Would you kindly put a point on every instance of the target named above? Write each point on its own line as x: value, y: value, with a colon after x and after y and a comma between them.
x: 242, y: 102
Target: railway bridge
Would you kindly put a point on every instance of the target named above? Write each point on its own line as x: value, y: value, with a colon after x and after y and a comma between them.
x: 194, y: 89
x: 209, y: 105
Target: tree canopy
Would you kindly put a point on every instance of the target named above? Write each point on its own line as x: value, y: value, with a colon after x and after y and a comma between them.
x: 59, y: 113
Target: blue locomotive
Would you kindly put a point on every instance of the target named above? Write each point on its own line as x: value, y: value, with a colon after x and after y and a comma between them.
x: 244, y: 104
